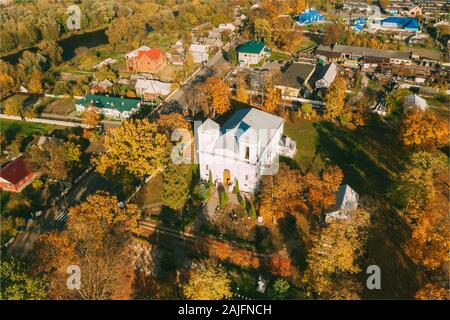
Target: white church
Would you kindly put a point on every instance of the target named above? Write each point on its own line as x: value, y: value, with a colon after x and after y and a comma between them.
x: 243, y: 149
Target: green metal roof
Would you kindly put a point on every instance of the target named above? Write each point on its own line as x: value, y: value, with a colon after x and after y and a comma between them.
x: 251, y: 47
x: 117, y: 103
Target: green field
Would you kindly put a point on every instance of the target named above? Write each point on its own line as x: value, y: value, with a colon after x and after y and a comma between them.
x: 12, y: 128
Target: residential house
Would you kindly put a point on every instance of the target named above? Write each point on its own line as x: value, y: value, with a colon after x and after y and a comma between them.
x: 346, y: 202
x: 294, y: 78
x: 146, y: 60
x: 324, y: 75
x: 310, y: 16
x: 402, y: 23
x: 116, y: 107
x: 16, y: 175
x: 243, y: 149
x: 227, y: 26
x: 301, y: 79
x: 252, y: 52
x: 105, y: 62
x: 366, y: 55
x: 199, y: 53
x: 414, y: 101
x: 151, y: 89
x: 104, y: 86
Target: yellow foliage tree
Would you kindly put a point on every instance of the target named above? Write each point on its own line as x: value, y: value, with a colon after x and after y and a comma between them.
x: 433, y: 292
x: 335, y: 250
x: 214, y: 96
x: 281, y: 193
x: 207, y: 281
x: 136, y: 147
x: 335, y: 99
x: 420, y: 128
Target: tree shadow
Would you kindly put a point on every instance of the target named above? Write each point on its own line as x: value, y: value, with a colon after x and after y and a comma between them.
x: 293, y: 240
x: 368, y: 163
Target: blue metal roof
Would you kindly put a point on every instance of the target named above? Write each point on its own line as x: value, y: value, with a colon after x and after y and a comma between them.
x: 309, y: 16
x: 402, y: 22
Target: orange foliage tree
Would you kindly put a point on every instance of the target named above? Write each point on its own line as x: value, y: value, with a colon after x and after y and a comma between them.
x: 214, y: 96
x: 419, y: 128
x: 322, y: 190
x: 281, y: 193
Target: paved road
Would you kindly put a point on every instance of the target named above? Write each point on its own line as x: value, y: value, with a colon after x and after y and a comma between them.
x: 178, y: 102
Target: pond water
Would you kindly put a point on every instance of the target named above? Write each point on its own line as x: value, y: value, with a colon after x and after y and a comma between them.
x: 69, y: 45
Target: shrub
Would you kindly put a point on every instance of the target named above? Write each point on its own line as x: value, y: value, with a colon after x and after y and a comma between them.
x: 203, y: 192
x: 210, y: 180
x: 236, y: 187
x: 279, y: 289
x: 252, y: 212
x: 223, y: 198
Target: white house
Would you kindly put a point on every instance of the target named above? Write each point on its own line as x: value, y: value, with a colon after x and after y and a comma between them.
x: 252, y: 52
x: 414, y: 101
x: 328, y: 77
x: 227, y: 26
x: 149, y: 89
x: 199, y: 52
x: 244, y: 148
x: 346, y: 202
x: 116, y: 107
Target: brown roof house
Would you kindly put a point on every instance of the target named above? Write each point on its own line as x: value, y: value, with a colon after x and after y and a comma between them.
x: 16, y: 175
x: 146, y: 60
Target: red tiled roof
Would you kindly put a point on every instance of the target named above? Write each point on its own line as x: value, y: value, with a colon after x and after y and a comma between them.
x: 15, y: 171
x: 153, y: 54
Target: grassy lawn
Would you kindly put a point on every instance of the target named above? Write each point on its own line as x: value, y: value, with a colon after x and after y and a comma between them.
x: 368, y: 156
x: 276, y: 56
x: 60, y: 107
x: 303, y: 132
x: 12, y: 128
x: 152, y: 192
x: 169, y: 72
x: 306, y: 44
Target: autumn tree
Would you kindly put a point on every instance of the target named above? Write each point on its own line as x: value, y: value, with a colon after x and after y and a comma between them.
x: 35, y: 82
x: 335, y: 251
x: 241, y: 90
x: 175, y: 187
x: 321, y: 190
x: 207, y: 281
x: 13, y: 107
x: 97, y: 239
x: 424, y: 129
x: 51, y: 159
x: 7, y: 79
x: 214, y: 97
x: 334, y: 33
x: 232, y: 56
x: 298, y: 6
x: 18, y: 283
x: 416, y: 185
x: 263, y: 29
x: 335, y: 99
x: 281, y: 193
x: 91, y: 118
x: 105, y: 73
x: 272, y: 97
x: 429, y: 243
x: 136, y: 147
x: 52, y: 51
x: 168, y: 123
x: 433, y: 292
